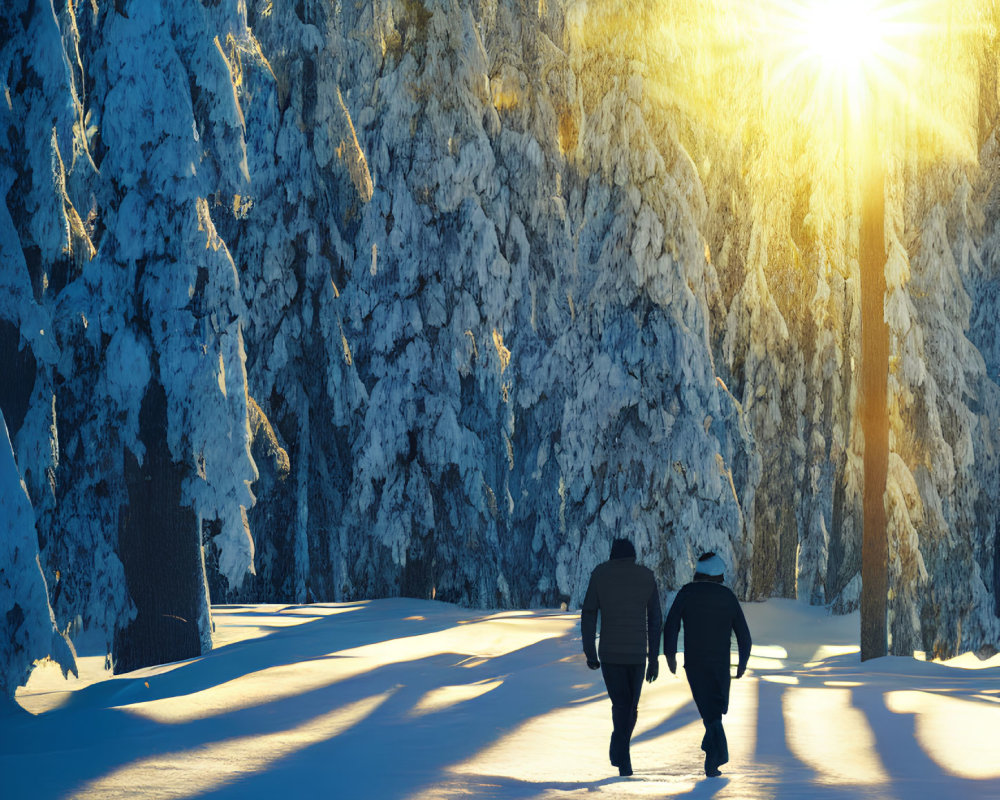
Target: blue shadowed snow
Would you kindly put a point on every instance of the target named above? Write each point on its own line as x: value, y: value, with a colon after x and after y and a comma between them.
x: 416, y: 699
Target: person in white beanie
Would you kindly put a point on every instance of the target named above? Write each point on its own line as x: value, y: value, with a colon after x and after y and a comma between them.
x: 711, y: 614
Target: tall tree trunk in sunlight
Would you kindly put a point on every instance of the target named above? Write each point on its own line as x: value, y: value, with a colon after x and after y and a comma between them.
x: 874, y: 409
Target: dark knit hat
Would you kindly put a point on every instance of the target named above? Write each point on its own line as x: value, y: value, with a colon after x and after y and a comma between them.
x: 622, y: 548
x: 709, y: 568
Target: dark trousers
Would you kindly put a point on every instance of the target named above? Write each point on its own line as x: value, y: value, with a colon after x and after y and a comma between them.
x: 710, y: 688
x: 624, y: 684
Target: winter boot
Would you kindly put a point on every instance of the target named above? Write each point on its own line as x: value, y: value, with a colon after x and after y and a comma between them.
x: 716, y: 748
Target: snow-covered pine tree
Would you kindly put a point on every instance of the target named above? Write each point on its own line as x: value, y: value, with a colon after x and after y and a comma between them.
x: 45, y: 246
x: 29, y: 632
x: 182, y: 309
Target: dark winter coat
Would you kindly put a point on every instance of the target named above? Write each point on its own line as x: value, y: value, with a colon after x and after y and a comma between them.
x: 625, y: 593
x: 711, y: 614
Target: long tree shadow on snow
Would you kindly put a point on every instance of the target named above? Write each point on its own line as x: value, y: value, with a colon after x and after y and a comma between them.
x: 394, y: 754
x: 779, y: 765
x: 910, y: 769
x: 309, y: 640
x: 138, y: 740
x: 127, y: 738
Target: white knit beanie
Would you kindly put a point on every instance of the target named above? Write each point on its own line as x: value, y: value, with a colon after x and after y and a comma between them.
x: 710, y: 564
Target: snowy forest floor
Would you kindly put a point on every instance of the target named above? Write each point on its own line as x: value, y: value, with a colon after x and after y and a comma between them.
x: 421, y: 700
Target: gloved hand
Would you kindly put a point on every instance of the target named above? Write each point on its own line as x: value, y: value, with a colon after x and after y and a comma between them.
x: 672, y: 664
x: 593, y: 664
x: 652, y: 671
x: 740, y: 670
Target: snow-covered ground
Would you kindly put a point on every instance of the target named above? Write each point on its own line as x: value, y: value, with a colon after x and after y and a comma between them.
x: 421, y: 700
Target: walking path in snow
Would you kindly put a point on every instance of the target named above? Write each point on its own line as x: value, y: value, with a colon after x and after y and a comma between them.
x: 427, y: 701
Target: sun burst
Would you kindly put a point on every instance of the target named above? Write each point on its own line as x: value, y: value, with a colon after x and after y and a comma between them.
x: 841, y: 64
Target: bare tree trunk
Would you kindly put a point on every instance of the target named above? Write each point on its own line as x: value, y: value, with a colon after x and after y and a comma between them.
x: 159, y: 543
x: 873, y: 400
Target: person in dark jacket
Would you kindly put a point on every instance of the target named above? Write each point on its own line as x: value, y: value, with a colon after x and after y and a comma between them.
x: 710, y: 613
x: 625, y: 593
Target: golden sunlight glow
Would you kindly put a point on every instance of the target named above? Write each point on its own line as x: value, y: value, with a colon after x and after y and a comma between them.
x: 844, y: 34
x: 207, y: 767
x: 445, y: 697
x: 787, y: 680
x: 841, y: 65
x: 537, y: 722
x: 953, y: 731
x: 846, y: 752
x: 769, y: 651
x: 826, y: 651
x: 525, y: 753
x: 766, y: 657
x: 794, y: 84
x: 270, y: 685
x: 845, y: 44
x: 481, y: 639
x: 665, y: 742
